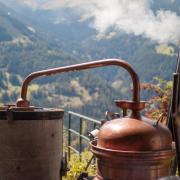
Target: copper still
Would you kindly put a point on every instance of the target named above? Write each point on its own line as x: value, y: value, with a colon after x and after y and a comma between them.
x: 128, y: 148
x: 133, y: 147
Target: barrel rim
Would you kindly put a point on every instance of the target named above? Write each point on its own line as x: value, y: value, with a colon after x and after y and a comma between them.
x: 31, y: 114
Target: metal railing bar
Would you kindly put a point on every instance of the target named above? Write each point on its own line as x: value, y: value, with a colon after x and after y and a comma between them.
x: 73, y: 149
x: 80, y: 138
x: 84, y: 117
x: 69, y: 136
x: 78, y: 134
x: 94, y: 125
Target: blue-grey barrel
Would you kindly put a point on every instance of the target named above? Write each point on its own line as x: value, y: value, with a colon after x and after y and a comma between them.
x: 31, y: 143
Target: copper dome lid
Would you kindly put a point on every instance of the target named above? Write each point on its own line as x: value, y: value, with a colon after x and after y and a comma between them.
x: 131, y: 134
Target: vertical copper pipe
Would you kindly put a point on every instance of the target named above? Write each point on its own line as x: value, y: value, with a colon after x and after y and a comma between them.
x: 78, y: 67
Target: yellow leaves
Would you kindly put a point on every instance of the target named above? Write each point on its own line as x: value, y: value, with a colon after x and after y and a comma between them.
x: 33, y: 87
x: 76, y: 166
x: 80, y: 90
x: 164, y: 49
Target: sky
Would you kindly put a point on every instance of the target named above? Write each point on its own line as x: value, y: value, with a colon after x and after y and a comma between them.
x: 129, y: 16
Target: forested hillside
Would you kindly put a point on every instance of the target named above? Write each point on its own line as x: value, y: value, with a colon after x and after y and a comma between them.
x: 32, y: 40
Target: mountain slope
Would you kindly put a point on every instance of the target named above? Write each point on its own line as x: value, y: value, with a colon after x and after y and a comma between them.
x: 11, y: 27
x: 25, y: 53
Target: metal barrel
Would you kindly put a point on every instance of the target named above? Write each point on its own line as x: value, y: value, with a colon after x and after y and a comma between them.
x: 31, y: 143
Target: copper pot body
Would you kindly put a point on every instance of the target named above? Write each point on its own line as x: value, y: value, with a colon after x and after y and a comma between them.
x: 31, y: 144
x: 131, y: 165
x: 133, y: 149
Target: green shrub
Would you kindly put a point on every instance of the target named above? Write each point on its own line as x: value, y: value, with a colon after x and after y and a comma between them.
x: 76, y: 166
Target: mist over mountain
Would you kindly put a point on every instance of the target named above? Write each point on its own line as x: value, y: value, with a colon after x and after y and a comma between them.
x: 147, y: 18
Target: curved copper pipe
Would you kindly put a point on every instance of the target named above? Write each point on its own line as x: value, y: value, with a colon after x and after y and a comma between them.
x: 78, y: 67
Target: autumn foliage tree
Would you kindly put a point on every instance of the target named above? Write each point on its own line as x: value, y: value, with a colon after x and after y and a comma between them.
x: 158, y: 104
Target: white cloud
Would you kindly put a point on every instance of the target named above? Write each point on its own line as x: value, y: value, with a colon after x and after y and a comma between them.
x: 130, y: 16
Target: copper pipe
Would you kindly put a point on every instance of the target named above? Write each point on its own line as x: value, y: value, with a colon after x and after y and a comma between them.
x: 77, y: 67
